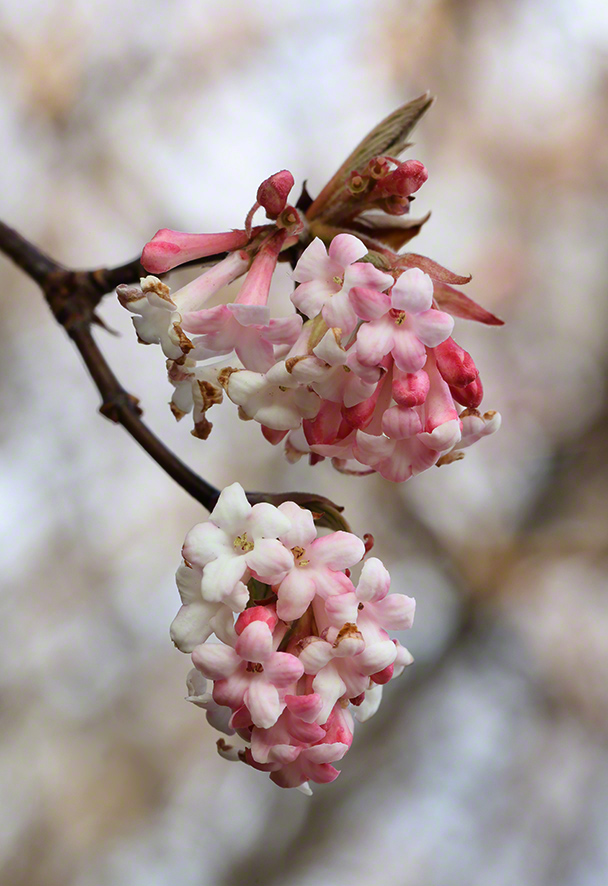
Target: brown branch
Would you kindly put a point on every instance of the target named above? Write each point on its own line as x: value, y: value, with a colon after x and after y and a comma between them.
x: 28, y: 257
x: 72, y: 297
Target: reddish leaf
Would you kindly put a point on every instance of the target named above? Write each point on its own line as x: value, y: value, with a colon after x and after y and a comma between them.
x: 460, y: 305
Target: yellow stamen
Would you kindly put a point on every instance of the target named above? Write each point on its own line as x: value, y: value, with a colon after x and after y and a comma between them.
x: 242, y: 542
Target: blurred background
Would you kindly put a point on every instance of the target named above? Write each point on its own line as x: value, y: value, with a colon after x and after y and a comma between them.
x: 488, y: 761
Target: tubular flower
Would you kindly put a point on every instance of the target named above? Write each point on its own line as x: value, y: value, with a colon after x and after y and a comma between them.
x: 361, y: 367
x: 299, y: 641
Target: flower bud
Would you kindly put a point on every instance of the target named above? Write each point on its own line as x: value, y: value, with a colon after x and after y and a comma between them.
x: 455, y: 365
x: 273, y: 192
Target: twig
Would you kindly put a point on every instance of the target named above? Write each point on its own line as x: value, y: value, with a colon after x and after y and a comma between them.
x: 72, y: 297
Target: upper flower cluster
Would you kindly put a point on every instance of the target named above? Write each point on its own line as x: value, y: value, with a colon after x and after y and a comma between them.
x: 363, y: 369
x: 300, y: 642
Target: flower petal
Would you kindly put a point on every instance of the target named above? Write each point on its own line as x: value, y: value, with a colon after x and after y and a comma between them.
x: 342, y: 608
x: 310, y: 297
x: 267, y: 521
x: 231, y: 510
x: 375, y: 657
x: 316, y: 655
x: 192, y: 625
x: 408, y: 351
x: 338, y: 313
x: 413, y: 292
x: 369, y: 304
x: 374, y: 582
x: 220, y: 577
x: 346, y: 249
x: 254, y: 642
x: 401, y: 422
x: 301, y: 530
x: 337, y: 551
x: 395, y: 612
x: 215, y: 661
x: 269, y: 560
x: 205, y: 542
x: 250, y: 315
x: 295, y: 594
x: 374, y: 340
x: 262, y: 699
x: 313, y: 263
x: 283, y: 669
x: 433, y: 327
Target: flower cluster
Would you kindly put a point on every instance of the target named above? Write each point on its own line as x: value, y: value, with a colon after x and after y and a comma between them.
x: 363, y: 368
x: 300, y: 641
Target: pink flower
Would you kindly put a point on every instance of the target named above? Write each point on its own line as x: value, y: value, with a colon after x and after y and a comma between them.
x: 318, y: 563
x: 304, y: 761
x: 252, y: 674
x: 326, y: 279
x: 407, y: 325
x: 245, y: 325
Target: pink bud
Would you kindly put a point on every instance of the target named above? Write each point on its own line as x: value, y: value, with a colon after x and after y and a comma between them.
x: 384, y: 675
x: 470, y: 395
x: 273, y: 192
x: 410, y: 388
x: 456, y: 365
x: 403, y: 181
x: 167, y: 249
x: 264, y: 614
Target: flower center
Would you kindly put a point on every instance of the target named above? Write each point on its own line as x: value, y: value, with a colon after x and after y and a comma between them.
x: 254, y: 667
x: 242, y: 542
x: 339, y: 281
x: 298, y: 553
x: 399, y: 317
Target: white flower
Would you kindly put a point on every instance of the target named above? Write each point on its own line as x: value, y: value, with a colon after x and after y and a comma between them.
x: 238, y: 539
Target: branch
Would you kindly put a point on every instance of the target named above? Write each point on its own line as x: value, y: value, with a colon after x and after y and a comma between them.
x: 72, y: 297
x: 28, y: 257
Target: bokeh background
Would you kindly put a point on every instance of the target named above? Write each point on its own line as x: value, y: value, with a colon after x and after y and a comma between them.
x: 488, y: 761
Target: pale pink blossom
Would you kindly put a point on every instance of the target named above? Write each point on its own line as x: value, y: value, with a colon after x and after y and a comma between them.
x: 335, y: 373
x: 245, y: 325
x: 251, y: 674
x: 407, y: 326
x: 326, y: 278
x: 311, y: 761
x: 318, y: 563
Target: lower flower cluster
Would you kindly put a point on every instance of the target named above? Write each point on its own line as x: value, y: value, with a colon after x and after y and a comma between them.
x: 300, y: 643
